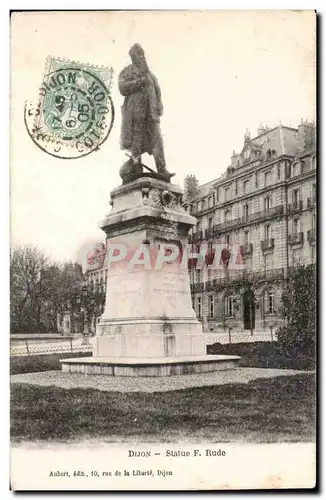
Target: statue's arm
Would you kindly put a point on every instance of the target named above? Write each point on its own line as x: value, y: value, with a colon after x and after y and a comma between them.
x: 158, y: 96
x: 128, y: 85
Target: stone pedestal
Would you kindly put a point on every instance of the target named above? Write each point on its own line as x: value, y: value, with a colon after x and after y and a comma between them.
x: 149, y: 327
x: 148, y: 310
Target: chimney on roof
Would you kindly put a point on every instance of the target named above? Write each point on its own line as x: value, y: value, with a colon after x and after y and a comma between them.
x: 306, y: 135
x: 247, y: 136
x: 262, y: 130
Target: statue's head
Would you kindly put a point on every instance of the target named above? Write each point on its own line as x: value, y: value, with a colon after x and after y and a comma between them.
x: 137, y: 54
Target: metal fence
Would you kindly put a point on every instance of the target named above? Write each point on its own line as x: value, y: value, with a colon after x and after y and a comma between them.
x: 237, y: 337
x: 28, y: 348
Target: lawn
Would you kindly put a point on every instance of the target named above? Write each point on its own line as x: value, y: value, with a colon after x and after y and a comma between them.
x: 264, y: 410
x: 41, y: 362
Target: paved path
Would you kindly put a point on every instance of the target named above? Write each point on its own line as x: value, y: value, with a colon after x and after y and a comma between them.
x: 148, y: 384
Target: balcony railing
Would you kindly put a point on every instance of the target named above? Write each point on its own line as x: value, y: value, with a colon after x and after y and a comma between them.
x: 311, y: 202
x: 311, y: 235
x: 198, y: 235
x: 218, y: 283
x: 295, y: 207
x: 209, y: 233
x: 246, y: 249
x: 295, y: 238
x: 274, y: 210
x: 226, y: 225
x: 197, y: 287
x: 256, y: 216
x: 267, y: 244
x: 210, y: 285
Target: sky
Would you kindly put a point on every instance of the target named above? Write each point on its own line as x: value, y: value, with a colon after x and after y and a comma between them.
x: 220, y: 72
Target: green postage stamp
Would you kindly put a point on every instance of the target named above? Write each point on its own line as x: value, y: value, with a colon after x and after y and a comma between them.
x: 75, y: 112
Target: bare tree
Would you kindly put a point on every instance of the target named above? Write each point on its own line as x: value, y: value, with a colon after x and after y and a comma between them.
x: 27, y: 267
x: 40, y: 290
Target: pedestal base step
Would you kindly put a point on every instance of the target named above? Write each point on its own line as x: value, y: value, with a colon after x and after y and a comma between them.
x: 149, y: 367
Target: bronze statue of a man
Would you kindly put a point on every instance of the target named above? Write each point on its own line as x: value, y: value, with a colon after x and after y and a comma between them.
x: 141, y: 111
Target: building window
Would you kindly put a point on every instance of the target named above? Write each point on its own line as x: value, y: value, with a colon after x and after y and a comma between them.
x: 198, y: 206
x: 297, y: 256
x: 313, y: 190
x: 314, y: 221
x: 197, y: 275
x: 229, y: 306
x: 268, y: 178
x: 246, y: 186
x: 313, y: 162
x: 246, y: 237
x: 295, y: 196
x: 295, y: 226
x: 227, y: 215
x: 278, y: 172
x: 210, y: 202
x: 203, y: 204
x: 245, y: 211
x: 236, y: 188
x: 211, y: 305
x: 267, y: 231
x: 226, y: 194
x: 313, y: 254
x: 268, y: 154
x: 256, y: 180
x: 267, y: 203
x: 228, y: 239
x: 296, y: 168
x: 199, y: 307
x: 217, y: 196
x: 269, y: 302
x: 210, y: 222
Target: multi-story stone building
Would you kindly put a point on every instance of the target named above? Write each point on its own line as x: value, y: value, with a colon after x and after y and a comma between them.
x: 265, y: 202
x: 96, y: 271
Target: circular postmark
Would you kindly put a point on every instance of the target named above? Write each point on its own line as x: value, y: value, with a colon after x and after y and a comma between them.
x: 74, y: 115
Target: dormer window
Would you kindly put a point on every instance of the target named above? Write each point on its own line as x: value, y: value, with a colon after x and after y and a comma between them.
x: 247, y: 154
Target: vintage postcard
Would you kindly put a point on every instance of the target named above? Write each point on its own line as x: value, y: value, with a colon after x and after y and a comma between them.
x: 163, y: 250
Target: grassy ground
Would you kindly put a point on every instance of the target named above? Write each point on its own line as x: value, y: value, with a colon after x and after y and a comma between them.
x: 264, y: 410
x: 263, y: 355
x: 41, y: 363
